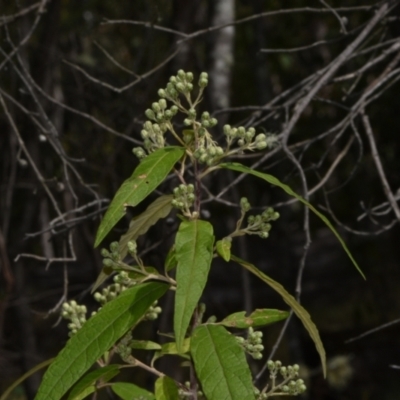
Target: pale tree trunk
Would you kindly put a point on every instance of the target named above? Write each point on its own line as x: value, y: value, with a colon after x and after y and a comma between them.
x: 222, y: 54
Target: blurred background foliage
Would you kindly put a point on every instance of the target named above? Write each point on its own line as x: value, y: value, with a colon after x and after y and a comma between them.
x: 66, y: 89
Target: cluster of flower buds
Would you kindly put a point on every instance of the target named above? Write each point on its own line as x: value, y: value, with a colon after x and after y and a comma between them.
x: 112, y: 257
x: 247, y: 139
x: 253, y: 344
x: 259, y: 224
x: 76, y: 314
x: 183, y: 197
x: 291, y: 386
x: 121, y: 283
x: 181, y: 83
x: 153, y: 312
x: 208, y: 155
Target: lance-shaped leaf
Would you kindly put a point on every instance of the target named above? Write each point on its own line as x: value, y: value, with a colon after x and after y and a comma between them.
x: 139, y: 225
x: 300, y: 311
x: 220, y: 364
x: 87, y: 384
x: 129, y: 391
x: 194, y: 252
x: 275, y: 181
x: 166, y: 389
x: 146, y: 177
x: 96, y: 337
x: 255, y: 319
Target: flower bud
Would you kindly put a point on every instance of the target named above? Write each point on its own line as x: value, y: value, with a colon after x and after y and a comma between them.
x: 149, y: 114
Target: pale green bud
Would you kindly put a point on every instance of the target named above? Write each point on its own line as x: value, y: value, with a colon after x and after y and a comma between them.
x: 150, y: 114
x: 181, y: 74
x: 187, y: 121
x: 156, y: 107
x: 203, y: 83
x: 205, y: 115
x: 261, y: 145
x: 189, y: 76
x: 107, y: 262
x: 260, y: 137
x: 161, y: 93
x: 180, y: 87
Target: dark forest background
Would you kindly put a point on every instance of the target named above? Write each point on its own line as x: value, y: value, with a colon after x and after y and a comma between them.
x: 75, y: 79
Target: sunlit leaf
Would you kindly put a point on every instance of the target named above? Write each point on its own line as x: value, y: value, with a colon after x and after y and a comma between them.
x: 166, y: 389
x: 147, y: 176
x: 129, y: 391
x: 144, y: 345
x: 300, y: 311
x: 224, y: 248
x: 194, y: 251
x: 139, y: 225
x: 274, y: 181
x: 220, y: 364
x: 256, y: 318
x: 96, y: 337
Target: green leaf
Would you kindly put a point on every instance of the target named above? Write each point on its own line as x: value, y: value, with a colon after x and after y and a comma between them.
x: 96, y: 337
x: 166, y: 389
x: 224, y: 248
x: 171, y: 348
x: 274, y: 181
x: 146, y: 177
x: 220, y: 364
x: 80, y: 389
x: 194, y: 252
x: 256, y: 318
x: 129, y: 391
x: 139, y: 225
x: 301, y: 313
x: 144, y: 345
